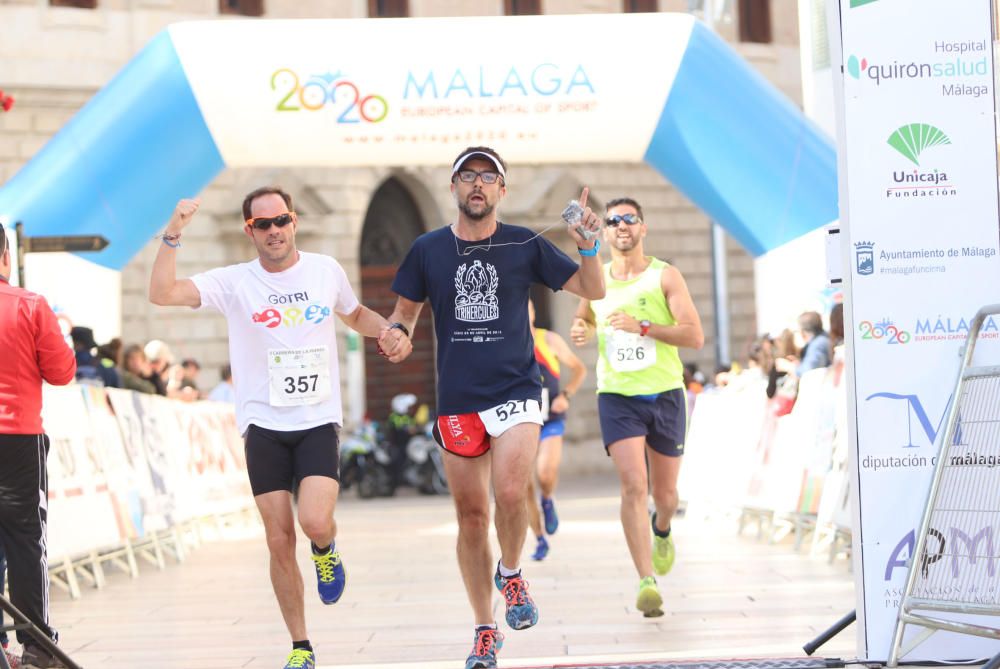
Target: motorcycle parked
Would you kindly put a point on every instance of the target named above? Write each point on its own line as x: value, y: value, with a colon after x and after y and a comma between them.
x: 366, y: 463
x: 424, y: 468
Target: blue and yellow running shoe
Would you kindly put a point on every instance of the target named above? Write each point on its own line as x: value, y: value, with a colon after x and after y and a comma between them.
x: 484, y: 649
x: 521, y: 610
x: 301, y: 659
x: 541, y: 549
x: 551, y: 518
x: 330, y: 576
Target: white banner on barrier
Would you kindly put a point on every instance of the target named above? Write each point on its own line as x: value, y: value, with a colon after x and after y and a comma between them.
x: 123, y: 465
x: 920, y: 208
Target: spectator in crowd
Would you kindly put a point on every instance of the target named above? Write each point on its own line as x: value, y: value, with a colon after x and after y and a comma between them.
x: 189, y: 375
x: 759, y: 356
x: 694, y: 380
x: 176, y: 388
x: 816, y: 352
x: 721, y: 377
x: 836, y: 330
x: 753, y: 375
x: 784, y: 358
x: 224, y: 392
x: 88, y: 368
x: 159, y: 357
x: 34, y: 350
x: 693, y: 385
x: 110, y: 355
x: 135, y: 371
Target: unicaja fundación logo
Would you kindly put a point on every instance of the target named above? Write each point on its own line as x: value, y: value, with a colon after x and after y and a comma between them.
x: 913, y: 139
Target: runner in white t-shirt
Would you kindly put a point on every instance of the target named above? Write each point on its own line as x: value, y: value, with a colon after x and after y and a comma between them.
x: 283, y: 350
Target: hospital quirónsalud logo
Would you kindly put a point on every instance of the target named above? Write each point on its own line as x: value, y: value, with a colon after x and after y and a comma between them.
x: 913, y: 139
x: 476, y: 301
x: 864, y: 258
x: 859, y: 3
x: 855, y: 66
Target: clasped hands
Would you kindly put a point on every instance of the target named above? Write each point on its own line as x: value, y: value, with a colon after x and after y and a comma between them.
x: 394, y: 344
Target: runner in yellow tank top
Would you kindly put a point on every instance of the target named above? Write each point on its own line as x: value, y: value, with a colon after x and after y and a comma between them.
x: 645, y: 317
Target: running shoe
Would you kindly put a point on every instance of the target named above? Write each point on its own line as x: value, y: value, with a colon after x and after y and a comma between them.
x: 541, y: 549
x: 663, y: 552
x: 34, y: 657
x: 521, y: 611
x: 484, y: 649
x: 551, y: 519
x: 13, y: 660
x: 330, y: 576
x: 649, y: 601
x: 301, y: 658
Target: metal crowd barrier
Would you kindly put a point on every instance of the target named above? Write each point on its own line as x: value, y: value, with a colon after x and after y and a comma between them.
x: 955, y: 550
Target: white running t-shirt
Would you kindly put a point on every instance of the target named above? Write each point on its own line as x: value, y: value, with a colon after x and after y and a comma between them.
x: 282, y: 343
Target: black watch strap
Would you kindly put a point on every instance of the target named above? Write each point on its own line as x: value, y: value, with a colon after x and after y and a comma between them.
x: 400, y: 326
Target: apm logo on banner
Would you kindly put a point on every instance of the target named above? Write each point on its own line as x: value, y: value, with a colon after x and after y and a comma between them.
x: 918, y: 170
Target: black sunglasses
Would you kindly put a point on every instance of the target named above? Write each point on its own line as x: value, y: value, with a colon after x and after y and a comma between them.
x: 469, y: 176
x: 630, y: 219
x: 265, y: 222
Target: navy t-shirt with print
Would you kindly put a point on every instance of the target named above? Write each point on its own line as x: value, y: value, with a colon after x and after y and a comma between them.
x: 485, y: 353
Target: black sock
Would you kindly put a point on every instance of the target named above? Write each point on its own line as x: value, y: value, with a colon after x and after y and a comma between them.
x: 663, y: 534
x: 302, y: 645
x: 320, y: 551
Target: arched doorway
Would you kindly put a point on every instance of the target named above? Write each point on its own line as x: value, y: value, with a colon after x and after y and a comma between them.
x: 392, y: 223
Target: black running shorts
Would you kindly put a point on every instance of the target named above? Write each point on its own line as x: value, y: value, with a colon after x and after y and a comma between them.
x: 662, y: 419
x: 277, y: 460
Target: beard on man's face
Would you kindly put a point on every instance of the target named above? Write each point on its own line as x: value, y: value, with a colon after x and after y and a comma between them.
x: 475, y: 215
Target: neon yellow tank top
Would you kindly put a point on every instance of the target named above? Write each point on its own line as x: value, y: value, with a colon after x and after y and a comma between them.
x: 629, y: 364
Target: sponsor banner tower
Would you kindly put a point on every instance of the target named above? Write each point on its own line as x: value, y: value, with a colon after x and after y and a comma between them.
x: 918, y: 191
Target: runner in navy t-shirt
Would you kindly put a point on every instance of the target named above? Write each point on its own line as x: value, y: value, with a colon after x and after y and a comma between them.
x: 477, y: 273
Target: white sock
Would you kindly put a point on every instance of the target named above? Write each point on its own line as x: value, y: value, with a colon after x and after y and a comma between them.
x: 507, y: 573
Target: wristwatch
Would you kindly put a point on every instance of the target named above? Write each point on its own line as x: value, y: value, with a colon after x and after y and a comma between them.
x: 399, y: 326
x: 644, y: 326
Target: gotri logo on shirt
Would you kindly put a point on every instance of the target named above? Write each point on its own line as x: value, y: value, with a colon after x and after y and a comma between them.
x: 291, y: 317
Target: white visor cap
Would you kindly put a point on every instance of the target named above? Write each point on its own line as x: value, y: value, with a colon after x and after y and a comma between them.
x: 478, y: 154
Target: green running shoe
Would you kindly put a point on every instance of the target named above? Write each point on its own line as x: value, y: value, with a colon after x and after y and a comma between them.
x: 649, y: 601
x: 663, y: 554
x: 663, y: 551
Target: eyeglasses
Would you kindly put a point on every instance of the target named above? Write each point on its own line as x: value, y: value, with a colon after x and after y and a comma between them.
x: 469, y: 176
x: 265, y: 222
x: 630, y: 219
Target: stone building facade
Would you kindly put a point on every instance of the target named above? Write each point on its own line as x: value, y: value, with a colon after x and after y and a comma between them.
x: 54, y: 58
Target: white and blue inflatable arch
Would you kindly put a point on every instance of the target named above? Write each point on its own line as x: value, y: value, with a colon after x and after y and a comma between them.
x: 204, y: 96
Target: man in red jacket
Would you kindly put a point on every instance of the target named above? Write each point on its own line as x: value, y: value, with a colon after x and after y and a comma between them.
x: 34, y: 350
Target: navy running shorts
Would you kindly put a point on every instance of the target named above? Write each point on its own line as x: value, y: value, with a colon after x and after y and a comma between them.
x: 553, y: 428
x: 662, y: 419
x: 279, y: 460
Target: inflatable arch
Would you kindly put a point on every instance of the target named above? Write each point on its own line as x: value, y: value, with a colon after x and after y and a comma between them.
x: 204, y: 96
